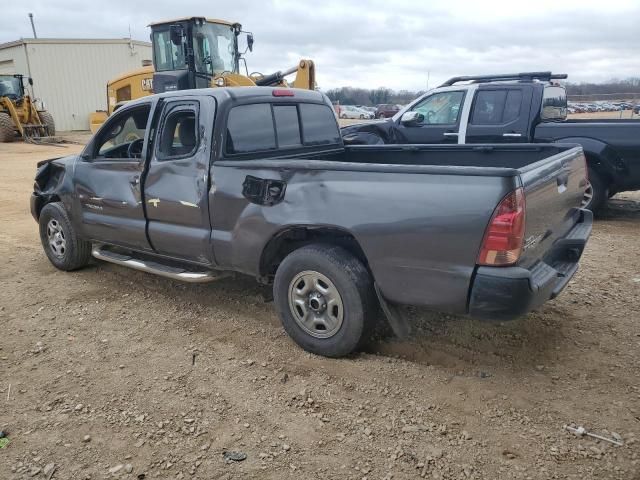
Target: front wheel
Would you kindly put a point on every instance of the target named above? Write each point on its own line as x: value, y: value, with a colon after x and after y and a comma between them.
x: 596, y: 194
x: 65, y: 250
x: 325, y: 299
x: 47, y: 119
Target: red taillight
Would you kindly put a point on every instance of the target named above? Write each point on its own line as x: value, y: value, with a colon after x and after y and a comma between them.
x: 282, y: 93
x: 502, y: 243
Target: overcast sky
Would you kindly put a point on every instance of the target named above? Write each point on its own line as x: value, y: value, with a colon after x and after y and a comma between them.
x: 372, y: 43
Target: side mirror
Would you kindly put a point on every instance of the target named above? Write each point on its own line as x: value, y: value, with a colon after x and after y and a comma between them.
x: 31, y: 81
x: 176, y: 32
x: 411, y: 118
x: 250, y: 41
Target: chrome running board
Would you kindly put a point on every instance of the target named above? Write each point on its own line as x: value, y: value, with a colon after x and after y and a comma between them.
x: 156, y: 268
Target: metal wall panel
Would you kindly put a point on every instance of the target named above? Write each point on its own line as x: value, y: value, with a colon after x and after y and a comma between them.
x: 70, y: 76
x: 13, y: 60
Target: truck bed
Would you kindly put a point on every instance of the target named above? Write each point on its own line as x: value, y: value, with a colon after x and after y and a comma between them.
x: 418, y: 212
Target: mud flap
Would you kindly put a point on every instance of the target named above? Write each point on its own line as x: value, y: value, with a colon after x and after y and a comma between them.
x: 399, y: 324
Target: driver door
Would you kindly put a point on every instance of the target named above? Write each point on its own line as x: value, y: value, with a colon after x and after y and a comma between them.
x: 107, y: 180
x: 441, y: 119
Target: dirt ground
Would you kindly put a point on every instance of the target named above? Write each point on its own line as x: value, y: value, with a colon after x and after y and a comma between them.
x: 111, y: 373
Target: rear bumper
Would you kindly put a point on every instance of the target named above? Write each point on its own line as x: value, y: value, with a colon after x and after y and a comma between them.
x: 504, y: 293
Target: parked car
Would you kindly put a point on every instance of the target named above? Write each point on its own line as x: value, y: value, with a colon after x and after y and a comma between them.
x: 351, y: 111
x: 367, y: 108
x: 499, y: 110
x: 386, y: 110
x: 336, y: 230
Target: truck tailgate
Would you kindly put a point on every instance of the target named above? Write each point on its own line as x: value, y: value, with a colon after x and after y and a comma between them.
x: 554, y: 190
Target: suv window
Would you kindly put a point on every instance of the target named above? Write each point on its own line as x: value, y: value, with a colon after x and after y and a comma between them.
x: 179, y: 136
x: 495, y: 107
x: 124, y: 129
x: 441, y: 108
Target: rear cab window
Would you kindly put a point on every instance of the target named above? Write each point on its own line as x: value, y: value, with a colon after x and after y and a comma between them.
x: 270, y: 127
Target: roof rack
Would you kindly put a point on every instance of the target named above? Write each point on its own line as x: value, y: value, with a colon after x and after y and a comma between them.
x: 525, y: 76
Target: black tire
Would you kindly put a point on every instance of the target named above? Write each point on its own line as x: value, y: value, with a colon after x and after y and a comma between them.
x: 344, y: 116
x: 361, y: 117
x: 354, y: 285
x: 76, y: 252
x: 599, y: 192
x: 381, y: 115
x: 7, y: 129
x: 47, y: 119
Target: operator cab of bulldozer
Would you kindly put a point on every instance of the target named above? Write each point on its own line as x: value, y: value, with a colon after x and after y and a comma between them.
x: 190, y: 52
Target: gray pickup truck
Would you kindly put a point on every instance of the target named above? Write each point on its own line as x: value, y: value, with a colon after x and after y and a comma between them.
x: 258, y: 181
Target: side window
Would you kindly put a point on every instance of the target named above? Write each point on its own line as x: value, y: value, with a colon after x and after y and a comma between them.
x: 179, y: 134
x: 124, y: 129
x: 250, y: 129
x: 496, y: 107
x: 488, y: 107
x: 441, y: 108
x: 123, y: 94
x: 512, y: 106
x: 319, y: 125
x: 287, y: 125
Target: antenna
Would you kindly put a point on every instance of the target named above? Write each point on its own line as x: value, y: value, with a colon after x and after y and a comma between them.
x: 33, y: 27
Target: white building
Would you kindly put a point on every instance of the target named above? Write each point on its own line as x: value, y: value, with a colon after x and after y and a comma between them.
x: 70, y: 75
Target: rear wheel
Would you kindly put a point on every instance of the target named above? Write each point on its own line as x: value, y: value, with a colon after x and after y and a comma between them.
x: 60, y: 241
x: 381, y: 115
x: 325, y: 299
x: 47, y: 119
x: 344, y: 115
x: 7, y: 130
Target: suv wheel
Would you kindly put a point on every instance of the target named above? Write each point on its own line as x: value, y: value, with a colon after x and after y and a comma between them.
x: 325, y: 299
x: 60, y: 241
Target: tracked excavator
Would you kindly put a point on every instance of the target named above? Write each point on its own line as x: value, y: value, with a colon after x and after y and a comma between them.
x: 197, y: 52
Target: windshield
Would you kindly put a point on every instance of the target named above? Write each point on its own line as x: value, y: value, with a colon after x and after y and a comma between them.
x: 167, y: 55
x: 214, y: 47
x: 10, y: 86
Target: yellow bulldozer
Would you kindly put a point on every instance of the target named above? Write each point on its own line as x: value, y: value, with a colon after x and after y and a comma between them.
x: 197, y: 52
x: 19, y: 116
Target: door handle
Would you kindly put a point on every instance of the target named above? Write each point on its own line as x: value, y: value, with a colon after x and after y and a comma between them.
x: 562, y: 180
x: 450, y: 134
x: 512, y: 134
x: 135, y: 180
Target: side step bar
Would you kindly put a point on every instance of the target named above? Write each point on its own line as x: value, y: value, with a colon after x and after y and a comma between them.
x: 167, y: 271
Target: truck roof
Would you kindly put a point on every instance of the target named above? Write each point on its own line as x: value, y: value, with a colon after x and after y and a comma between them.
x: 237, y: 93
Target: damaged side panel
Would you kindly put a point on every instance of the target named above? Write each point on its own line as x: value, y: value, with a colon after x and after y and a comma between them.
x: 52, y: 184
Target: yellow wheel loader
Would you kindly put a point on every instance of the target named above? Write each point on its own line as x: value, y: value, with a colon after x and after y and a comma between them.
x: 197, y: 52
x: 19, y: 117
